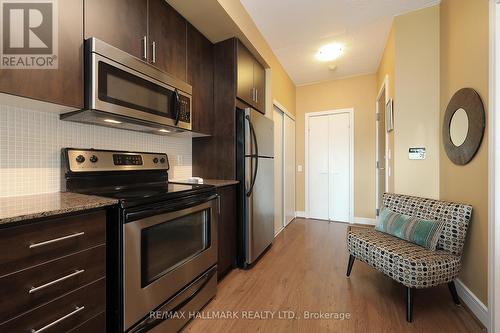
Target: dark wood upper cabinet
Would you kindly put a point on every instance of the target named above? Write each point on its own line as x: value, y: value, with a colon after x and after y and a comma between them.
x: 259, y: 82
x: 245, y: 87
x: 121, y: 23
x: 200, y: 74
x: 167, y: 39
x: 236, y: 72
x: 63, y: 85
x: 251, y: 79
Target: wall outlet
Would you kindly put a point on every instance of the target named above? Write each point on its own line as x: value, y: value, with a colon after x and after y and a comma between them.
x: 179, y: 160
x: 299, y: 168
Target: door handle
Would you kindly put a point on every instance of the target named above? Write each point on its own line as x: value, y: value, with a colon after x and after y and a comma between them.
x: 57, y: 321
x: 153, y: 52
x: 145, y: 48
x: 218, y: 203
x: 55, y: 240
x: 43, y: 286
x: 256, y: 156
x: 177, y: 106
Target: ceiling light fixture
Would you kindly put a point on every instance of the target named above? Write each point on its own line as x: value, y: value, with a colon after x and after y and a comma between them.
x: 112, y: 121
x: 329, y: 52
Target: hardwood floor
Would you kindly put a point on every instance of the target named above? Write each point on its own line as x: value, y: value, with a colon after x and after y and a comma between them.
x: 305, y: 271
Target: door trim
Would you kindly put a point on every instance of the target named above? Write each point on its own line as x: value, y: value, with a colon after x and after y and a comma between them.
x: 384, y: 88
x: 493, y: 324
x: 308, y: 115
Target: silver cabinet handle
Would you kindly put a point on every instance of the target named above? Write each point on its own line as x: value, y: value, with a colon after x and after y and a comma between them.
x: 153, y: 52
x: 57, y: 321
x: 78, y: 234
x: 256, y: 95
x: 43, y: 286
x: 145, y: 48
x: 218, y: 203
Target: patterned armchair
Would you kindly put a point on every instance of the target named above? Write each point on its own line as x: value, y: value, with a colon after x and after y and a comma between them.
x: 411, y: 265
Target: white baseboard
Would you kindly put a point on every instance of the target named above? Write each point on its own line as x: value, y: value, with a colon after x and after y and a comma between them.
x: 364, y: 220
x: 300, y: 214
x: 473, y: 303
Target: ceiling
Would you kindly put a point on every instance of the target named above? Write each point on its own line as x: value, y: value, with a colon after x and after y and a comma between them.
x: 296, y: 29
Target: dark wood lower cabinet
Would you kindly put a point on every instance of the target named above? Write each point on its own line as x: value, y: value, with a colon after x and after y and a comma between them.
x: 36, y: 286
x: 66, y: 312
x: 96, y: 324
x: 53, y: 274
x: 226, y: 231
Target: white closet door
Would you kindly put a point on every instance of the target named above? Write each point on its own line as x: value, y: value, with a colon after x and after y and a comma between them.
x: 278, y: 170
x: 329, y: 167
x: 318, y: 167
x: 289, y: 171
x: 339, y: 167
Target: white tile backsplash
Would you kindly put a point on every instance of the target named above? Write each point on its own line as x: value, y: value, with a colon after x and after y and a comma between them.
x: 31, y: 142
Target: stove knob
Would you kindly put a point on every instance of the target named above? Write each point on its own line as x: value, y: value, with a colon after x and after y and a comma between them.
x: 155, y: 160
x: 162, y: 160
x: 93, y: 159
x: 80, y: 159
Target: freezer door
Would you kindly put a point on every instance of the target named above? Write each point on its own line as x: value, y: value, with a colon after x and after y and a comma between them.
x: 259, y: 134
x: 260, y: 208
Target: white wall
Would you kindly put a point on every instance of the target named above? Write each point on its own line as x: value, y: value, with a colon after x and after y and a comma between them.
x: 31, y: 142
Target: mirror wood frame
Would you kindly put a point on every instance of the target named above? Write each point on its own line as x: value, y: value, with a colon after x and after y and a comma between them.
x: 469, y: 100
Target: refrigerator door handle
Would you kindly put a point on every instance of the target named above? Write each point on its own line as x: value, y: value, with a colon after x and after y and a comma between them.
x: 256, y: 156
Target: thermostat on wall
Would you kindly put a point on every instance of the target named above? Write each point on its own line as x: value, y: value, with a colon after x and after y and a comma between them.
x: 416, y: 153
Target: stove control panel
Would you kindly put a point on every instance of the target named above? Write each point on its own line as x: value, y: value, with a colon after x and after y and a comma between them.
x: 91, y: 160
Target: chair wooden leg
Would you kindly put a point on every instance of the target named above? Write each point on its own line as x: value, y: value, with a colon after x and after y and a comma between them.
x: 453, y: 291
x: 409, y: 304
x: 349, y: 265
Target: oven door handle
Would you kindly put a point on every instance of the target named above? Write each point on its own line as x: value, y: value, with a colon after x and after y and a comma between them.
x: 131, y: 216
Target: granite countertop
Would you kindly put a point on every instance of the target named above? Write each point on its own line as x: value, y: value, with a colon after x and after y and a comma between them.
x: 21, y: 208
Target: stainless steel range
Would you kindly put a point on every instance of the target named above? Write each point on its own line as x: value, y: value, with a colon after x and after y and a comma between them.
x: 162, y: 239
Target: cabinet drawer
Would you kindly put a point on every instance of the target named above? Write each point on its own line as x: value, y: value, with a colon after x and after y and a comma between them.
x: 93, y: 325
x: 27, y: 289
x: 63, y: 314
x: 28, y: 245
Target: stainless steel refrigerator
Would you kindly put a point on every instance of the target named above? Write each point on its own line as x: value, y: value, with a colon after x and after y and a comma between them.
x: 255, y: 171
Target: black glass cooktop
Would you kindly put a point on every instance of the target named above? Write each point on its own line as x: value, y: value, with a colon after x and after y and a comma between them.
x: 147, y: 193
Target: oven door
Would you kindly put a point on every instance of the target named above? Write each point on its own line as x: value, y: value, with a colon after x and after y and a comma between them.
x: 163, y: 253
x: 118, y: 89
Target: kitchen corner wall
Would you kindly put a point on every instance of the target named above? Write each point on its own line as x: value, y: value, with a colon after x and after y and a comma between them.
x: 31, y: 142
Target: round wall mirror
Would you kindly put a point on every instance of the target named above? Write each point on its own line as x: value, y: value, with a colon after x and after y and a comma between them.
x: 459, y: 127
x: 463, y: 126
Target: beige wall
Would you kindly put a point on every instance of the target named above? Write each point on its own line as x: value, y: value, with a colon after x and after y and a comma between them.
x: 282, y: 87
x: 417, y: 102
x: 386, y: 69
x: 464, y: 63
x: 358, y: 93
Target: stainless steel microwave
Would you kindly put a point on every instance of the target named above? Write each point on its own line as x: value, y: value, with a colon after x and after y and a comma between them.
x: 125, y: 92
